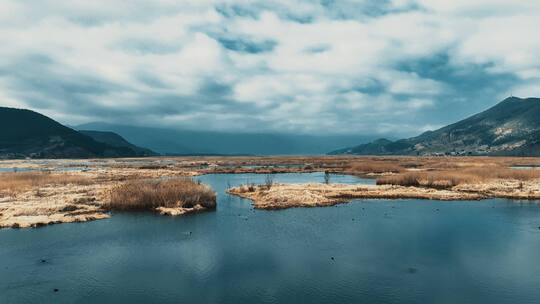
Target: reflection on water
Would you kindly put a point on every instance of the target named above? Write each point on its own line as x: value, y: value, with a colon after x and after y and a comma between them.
x: 16, y: 169
x: 368, y: 251
x: 526, y: 168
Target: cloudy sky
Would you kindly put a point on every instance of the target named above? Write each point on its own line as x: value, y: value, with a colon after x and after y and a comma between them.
x: 358, y: 67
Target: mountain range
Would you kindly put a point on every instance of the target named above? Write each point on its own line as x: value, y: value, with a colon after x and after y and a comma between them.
x: 115, y: 140
x: 189, y: 142
x: 28, y: 134
x: 512, y: 127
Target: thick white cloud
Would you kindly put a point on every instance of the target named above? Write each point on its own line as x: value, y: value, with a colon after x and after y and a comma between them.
x: 300, y: 66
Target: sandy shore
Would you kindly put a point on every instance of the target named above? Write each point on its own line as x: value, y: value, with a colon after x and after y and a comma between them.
x: 282, y: 196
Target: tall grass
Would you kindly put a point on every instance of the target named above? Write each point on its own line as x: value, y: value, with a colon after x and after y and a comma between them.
x: 13, y: 183
x: 448, y: 179
x: 151, y: 194
x: 375, y: 166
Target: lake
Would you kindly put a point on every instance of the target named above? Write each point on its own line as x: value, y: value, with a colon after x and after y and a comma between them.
x: 367, y: 251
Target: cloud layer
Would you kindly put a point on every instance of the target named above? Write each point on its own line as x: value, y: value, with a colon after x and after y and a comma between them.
x: 390, y: 67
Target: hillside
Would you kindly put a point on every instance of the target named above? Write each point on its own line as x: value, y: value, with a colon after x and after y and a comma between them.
x: 170, y: 141
x: 27, y: 133
x: 115, y: 140
x: 512, y: 127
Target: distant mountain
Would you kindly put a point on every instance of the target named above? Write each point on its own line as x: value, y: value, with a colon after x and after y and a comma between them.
x: 512, y: 127
x: 27, y: 133
x: 178, y: 142
x: 115, y: 140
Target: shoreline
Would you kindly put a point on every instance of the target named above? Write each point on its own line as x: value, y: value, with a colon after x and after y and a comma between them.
x: 37, y: 204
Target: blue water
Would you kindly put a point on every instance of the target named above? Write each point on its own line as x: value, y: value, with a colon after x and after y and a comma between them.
x: 70, y: 168
x: 385, y: 251
x: 525, y: 168
x: 16, y: 169
x: 270, y: 166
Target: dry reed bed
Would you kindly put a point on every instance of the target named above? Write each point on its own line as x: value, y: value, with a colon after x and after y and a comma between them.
x: 171, y: 196
x: 76, y: 196
x: 282, y: 196
x: 360, y: 165
x: 449, y: 178
x: 13, y: 183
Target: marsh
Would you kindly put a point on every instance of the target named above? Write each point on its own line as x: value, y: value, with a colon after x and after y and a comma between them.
x: 386, y: 251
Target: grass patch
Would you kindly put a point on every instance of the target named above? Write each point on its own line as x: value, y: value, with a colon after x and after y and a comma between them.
x: 451, y: 178
x: 139, y: 195
x: 12, y: 183
x: 375, y: 166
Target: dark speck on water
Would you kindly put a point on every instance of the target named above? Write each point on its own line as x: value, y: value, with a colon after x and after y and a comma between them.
x: 275, y: 257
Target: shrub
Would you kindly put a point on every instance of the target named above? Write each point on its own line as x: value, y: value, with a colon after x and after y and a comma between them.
x: 269, y: 181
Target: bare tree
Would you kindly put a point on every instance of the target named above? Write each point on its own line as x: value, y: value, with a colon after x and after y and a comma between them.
x: 326, y: 177
x: 269, y: 181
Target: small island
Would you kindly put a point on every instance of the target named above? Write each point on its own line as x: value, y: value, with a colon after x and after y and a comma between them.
x: 433, y: 178
x: 35, y: 199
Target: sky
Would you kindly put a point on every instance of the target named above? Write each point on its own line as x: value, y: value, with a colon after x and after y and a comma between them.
x: 394, y: 67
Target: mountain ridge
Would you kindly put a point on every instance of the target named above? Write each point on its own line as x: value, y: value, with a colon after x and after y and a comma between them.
x: 190, y: 142
x: 29, y: 134
x: 115, y: 140
x: 511, y: 127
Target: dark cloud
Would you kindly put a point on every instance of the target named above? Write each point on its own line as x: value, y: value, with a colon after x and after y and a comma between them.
x: 44, y: 83
x: 335, y: 9
x: 150, y: 79
x: 471, y: 88
x: 40, y: 75
x: 246, y: 46
x: 214, y: 89
x: 234, y: 10
x: 253, y: 10
x: 370, y: 86
x: 371, y: 8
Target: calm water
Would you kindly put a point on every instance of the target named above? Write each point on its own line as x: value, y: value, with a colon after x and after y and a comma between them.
x: 388, y: 251
x: 526, y: 168
x: 16, y: 169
